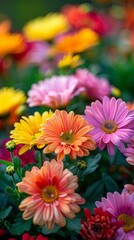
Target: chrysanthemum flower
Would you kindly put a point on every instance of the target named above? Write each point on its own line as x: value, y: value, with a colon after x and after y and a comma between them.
x: 129, y: 152
x: 10, y: 101
x: 99, y: 226
x: 130, y: 187
x: 113, y: 123
x: 121, y: 206
x: 95, y: 87
x: 52, y: 195
x: 77, y: 42
x: 46, y: 28
x: 69, y: 61
x: 53, y: 92
x: 66, y: 133
x: 11, y: 43
x: 27, y: 130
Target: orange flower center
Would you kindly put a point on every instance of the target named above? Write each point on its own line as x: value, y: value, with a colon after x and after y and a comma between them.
x: 50, y: 194
x: 128, y: 222
x: 109, y: 126
x: 67, y: 137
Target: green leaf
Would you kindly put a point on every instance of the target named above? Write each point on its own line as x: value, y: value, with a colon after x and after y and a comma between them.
x: 4, y: 212
x: 19, y: 227
x: 111, y: 185
x: 53, y: 230
x: 92, y: 164
x: 95, y: 191
x: 7, y: 163
x: 74, y: 225
x: 17, y: 163
x: 12, y: 194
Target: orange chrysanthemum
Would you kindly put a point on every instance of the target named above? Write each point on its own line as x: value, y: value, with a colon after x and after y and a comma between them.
x: 66, y: 133
x: 11, y: 43
x: 52, y: 195
x: 77, y: 42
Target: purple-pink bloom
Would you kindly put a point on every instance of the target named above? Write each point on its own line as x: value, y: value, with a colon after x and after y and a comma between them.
x: 121, y: 206
x: 54, y: 92
x: 113, y: 123
x: 95, y: 87
x: 129, y: 153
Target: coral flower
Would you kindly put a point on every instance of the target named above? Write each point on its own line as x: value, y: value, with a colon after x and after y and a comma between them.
x: 77, y: 42
x: 95, y: 87
x: 129, y: 153
x: 11, y: 43
x: 121, y: 206
x: 113, y: 123
x: 27, y: 130
x: 52, y: 195
x: 66, y: 133
x: 53, y: 92
x: 10, y: 101
x: 99, y: 226
x: 46, y: 28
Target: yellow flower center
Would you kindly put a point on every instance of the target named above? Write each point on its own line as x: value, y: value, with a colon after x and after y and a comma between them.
x: 128, y: 222
x: 67, y: 137
x: 109, y: 126
x: 50, y: 194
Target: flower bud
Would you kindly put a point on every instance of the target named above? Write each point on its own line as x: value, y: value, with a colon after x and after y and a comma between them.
x: 82, y: 164
x: 10, y: 170
x: 10, y: 146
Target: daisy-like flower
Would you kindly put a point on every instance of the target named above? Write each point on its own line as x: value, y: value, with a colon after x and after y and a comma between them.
x: 66, y: 133
x: 46, y: 28
x: 129, y: 152
x: 53, y: 92
x: 99, y: 226
x: 113, y: 123
x: 121, y: 206
x: 11, y: 43
x: 95, y: 87
x: 77, y: 42
x: 130, y: 187
x: 27, y: 130
x: 70, y: 61
x: 9, y: 109
x: 52, y: 195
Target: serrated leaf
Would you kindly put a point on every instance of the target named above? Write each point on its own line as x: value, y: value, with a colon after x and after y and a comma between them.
x: 53, y: 230
x: 95, y: 191
x: 19, y: 227
x: 111, y: 185
x: 4, y: 212
x: 74, y: 225
x: 92, y: 164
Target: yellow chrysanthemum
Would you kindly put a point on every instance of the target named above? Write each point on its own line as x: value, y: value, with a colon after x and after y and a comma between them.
x: 70, y: 61
x: 77, y: 42
x: 27, y: 130
x: 10, y: 99
x: 11, y: 43
x: 46, y: 28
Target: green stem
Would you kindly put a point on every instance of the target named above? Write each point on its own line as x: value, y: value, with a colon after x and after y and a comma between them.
x: 40, y: 159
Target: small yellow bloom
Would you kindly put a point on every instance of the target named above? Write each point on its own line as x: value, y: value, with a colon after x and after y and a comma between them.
x: 116, y: 92
x: 46, y: 28
x: 11, y: 43
x: 27, y: 131
x: 77, y: 42
x: 69, y: 61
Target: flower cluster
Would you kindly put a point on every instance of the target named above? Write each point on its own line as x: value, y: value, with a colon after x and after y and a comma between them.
x: 67, y: 124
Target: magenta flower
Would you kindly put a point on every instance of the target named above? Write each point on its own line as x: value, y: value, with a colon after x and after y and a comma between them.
x: 113, y: 123
x: 130, y: 187
x: 129, y: 153
x: 53, y: 92
x: 121, y: 206
x: 95, y: 87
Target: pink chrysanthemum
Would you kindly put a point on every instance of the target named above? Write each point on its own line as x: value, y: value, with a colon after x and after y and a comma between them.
x: 113, y: 123
x: 95, y: 87
x: 53, y: 92
x: 99, y: 225
x: 52, y: 195
x: 67, y: 134
x: 130, y: 187
x: 129, y: 153
x: 121, y: 206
